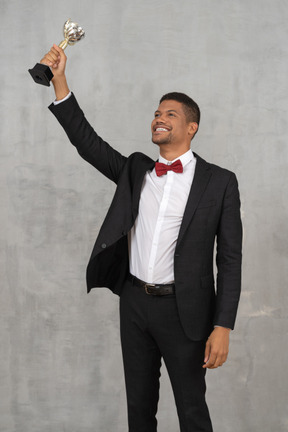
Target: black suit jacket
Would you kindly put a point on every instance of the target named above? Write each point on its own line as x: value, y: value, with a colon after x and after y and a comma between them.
x: 212, y: 212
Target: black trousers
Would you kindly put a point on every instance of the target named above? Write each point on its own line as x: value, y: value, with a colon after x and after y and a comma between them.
x: 151, y: 330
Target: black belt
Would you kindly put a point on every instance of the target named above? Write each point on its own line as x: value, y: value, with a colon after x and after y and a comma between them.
x: 153, y: 289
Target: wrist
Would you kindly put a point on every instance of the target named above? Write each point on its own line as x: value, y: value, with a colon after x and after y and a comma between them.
x: 60, y: 87
x: 223, y: 329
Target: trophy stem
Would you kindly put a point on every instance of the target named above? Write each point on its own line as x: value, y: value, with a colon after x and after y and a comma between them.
x: 63, y: 44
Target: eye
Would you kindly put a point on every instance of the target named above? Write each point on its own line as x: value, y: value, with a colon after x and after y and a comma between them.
x: 171, y: 115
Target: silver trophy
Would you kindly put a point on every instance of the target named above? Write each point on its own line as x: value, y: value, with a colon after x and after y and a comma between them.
x: 73, y: 33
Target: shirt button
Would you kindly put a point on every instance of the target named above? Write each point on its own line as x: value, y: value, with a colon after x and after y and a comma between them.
x: 103, y: 246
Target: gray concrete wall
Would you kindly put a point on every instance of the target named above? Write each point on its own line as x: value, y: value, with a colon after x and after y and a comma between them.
x: 60, y: 364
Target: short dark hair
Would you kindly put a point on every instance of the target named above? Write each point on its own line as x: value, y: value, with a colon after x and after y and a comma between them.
x: 190, y: 107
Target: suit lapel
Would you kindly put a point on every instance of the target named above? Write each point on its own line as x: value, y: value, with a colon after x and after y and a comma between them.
x: 139, y: 177
x: 201, y: 178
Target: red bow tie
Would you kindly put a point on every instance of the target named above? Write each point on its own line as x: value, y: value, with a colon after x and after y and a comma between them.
x: 162, y: 168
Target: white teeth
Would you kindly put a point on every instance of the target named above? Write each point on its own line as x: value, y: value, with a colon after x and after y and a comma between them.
x: 161, y: 130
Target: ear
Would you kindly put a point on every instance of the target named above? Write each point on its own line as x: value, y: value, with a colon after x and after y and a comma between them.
x: 192, y: 129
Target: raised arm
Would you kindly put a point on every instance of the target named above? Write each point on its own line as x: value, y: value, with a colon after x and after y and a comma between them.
x: 81, y: 134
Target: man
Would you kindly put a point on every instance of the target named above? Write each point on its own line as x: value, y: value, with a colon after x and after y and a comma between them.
x: 155, y: 249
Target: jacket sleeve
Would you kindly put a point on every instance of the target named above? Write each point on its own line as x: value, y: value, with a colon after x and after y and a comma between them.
x: 89, y: 145
x: 229, y: 257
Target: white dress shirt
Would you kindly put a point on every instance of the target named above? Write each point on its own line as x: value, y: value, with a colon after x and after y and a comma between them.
x: 153, y: 238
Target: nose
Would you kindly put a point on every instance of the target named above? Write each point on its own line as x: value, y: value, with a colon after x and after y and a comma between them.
x: 159, y: 119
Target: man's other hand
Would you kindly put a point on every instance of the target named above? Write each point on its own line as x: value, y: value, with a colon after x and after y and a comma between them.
x: 217, y: 348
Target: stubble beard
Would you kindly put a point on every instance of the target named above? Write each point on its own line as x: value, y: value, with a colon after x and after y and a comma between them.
x: 161, y: 140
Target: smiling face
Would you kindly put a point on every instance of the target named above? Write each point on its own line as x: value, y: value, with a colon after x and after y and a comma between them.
x: 170, y: 126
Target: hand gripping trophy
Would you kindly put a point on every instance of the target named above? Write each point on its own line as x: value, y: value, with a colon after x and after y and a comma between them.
x: 73, y: 33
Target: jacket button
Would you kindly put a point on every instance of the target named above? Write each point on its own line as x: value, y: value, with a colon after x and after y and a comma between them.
x: 103, y: 246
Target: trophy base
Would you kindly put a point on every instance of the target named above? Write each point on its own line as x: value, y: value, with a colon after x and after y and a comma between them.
x: 41, y: 74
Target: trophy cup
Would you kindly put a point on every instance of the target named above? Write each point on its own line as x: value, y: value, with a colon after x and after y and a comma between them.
x: 73, y: 33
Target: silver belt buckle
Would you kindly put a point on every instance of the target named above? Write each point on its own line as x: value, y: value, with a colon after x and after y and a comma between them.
x: 147, y: 285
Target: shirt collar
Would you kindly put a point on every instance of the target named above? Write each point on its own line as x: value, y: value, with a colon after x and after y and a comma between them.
x: 184, y: 158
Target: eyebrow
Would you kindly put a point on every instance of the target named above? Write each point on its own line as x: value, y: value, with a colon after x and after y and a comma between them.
x: 157, y: 111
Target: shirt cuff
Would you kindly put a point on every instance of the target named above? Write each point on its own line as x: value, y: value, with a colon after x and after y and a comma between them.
x: 57, y: 102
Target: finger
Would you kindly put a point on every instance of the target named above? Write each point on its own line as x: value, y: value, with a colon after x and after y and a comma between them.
x: 217, y: 363
x: 212, y: 360
x: 207, y: 351
x: 53, y: 54
x: 220, y: 360
x: 55, y: 58
x: 210, y: 363
x: 60, y: 51
x: 49, y: 60
x: 55, y: 50
x: 46, y: 61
